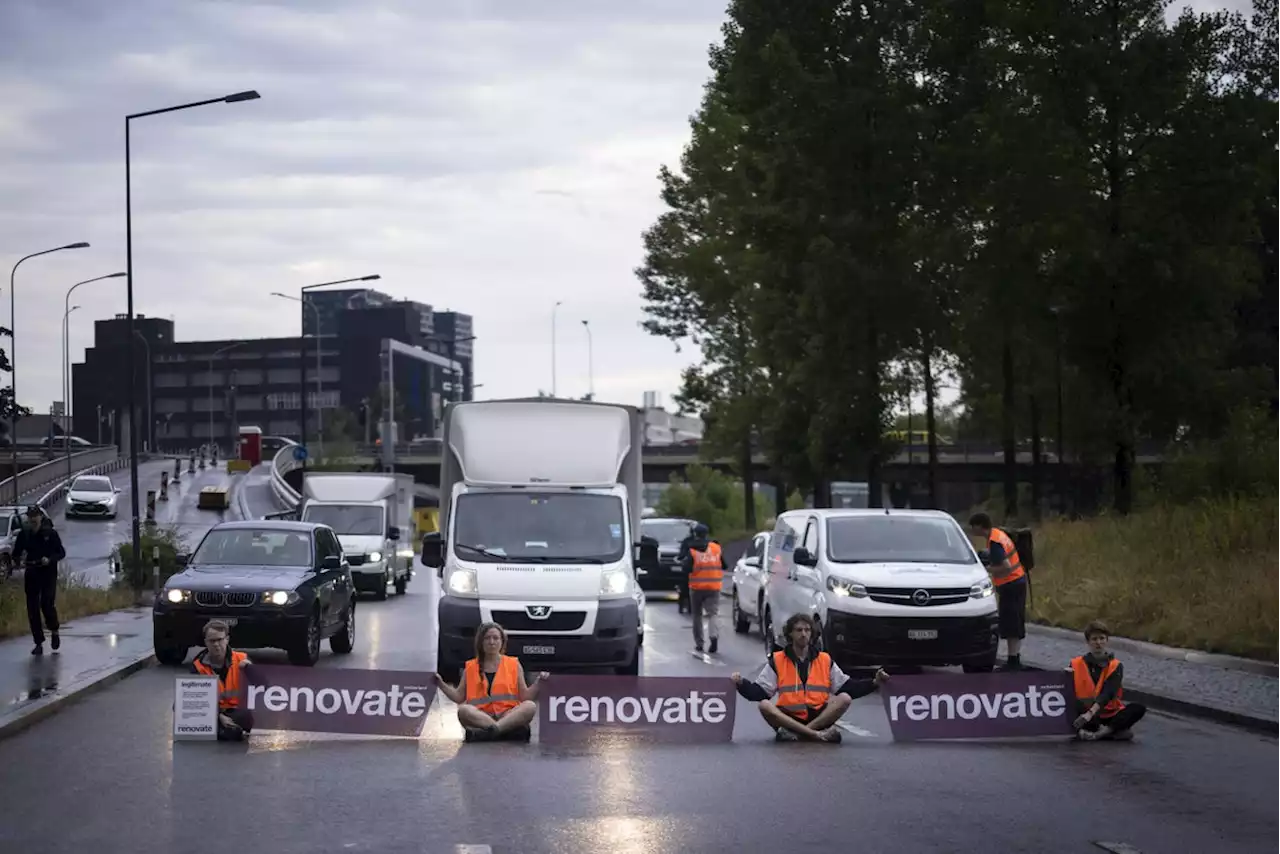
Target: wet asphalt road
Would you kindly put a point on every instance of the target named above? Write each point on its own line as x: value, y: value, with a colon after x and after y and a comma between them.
x: 104, y: 776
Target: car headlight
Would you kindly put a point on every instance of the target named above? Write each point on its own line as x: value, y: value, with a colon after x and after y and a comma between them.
x: 374, y: 557
x: 177, y: 596
x: 280, y: 597
x: 463, y: 582
x: 982, y: 589
x: 842, y: 587
x: 614, y: 582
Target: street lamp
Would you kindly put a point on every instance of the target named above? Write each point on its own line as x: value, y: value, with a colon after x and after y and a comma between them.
x: 151, y: 416
x: 66, y: 348
x: 554, y: 309
x: 216, y: 354
x: 591, y: 373
x: 13, y: 358
x: 66, y: 357
x: 302, y: 385
x: 319, y: 377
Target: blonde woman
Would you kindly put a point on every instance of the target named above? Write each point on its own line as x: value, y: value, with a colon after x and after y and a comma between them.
x: 494, y: 703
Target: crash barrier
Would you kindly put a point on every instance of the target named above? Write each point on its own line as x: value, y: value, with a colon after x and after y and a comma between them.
x: 214, y: 498
x: 53, y: 474
x: 281, y: 464
x: 662, y: 709
x: 59, y: 491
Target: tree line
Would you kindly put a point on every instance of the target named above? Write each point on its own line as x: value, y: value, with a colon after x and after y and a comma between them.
x: 1070, y: 204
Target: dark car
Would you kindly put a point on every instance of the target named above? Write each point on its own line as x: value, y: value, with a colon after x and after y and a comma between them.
x: 669, y: 534
x: 280, y: 584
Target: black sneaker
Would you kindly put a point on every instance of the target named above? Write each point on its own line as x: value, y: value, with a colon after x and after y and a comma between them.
x: 38, y: 649
x: 697, y: 647
x: 57, y: 641
x: 715, y: 644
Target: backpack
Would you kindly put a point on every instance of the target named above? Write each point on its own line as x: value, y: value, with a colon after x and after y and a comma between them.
x: 1024, y: 542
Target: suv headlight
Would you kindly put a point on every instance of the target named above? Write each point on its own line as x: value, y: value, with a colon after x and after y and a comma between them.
x: 280, y: 597
x: 614, y: 582
x: 982, y: 589
x: 463, y: 582
x: 177, y: 597
x: 374, y: 557
x: 843, y: 587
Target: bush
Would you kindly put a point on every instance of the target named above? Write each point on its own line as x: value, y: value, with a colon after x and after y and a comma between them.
x: 715, y: 498
x: 1241, y: 462
x: 75, y: 599
x: 1201, y: 575
x: 138, y: 576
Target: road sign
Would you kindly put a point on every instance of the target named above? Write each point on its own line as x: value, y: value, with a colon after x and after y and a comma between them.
x: 299, y: 452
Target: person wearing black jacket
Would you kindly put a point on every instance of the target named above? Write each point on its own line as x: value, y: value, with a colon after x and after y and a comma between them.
x: 38, y: 548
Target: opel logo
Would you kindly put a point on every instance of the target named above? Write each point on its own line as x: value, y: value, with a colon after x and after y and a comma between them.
x: 538, y: 612
x: 920, y: 597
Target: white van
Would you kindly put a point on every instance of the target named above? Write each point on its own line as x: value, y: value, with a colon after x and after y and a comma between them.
x: 886, y: 587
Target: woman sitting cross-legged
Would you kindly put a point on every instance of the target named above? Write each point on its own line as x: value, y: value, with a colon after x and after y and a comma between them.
x: 494, y: 703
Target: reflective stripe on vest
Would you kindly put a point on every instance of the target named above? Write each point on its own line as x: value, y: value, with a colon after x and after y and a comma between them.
x: 506, y: 686
x: 228, y: 688
x: 1011, y: 555
x: 707, y: 574
x: 1087, y: 690
x: 796, y: 698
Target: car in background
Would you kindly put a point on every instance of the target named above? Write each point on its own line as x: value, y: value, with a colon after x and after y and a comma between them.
x: 668, y: 533
x: 62, y: 443
x: 749, y: 575
x: 281, y: 584
x: 10, y: 525
x: 92, y: 496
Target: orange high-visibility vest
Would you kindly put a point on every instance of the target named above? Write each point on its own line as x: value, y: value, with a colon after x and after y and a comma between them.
x: 1010, y: 553
x: 707, y: 574
x: 796, y: 698
x: 229, y: 687
x: 506, y: 686
x: 1087, y: 690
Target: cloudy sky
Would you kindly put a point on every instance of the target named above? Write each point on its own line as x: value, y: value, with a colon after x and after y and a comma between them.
x: 487, y: 156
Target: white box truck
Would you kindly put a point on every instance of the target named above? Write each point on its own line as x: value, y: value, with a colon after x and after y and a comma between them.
x: 540, y: 504
x: 372, y: 514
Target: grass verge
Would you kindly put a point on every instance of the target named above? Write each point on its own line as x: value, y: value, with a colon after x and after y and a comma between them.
x: 75, y: 599
x: 1200, y: 576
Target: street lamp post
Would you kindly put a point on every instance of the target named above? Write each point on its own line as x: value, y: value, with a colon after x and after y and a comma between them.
x: 554, y: 309
x: 13, y: 359
x: 66, y: 349
x: 216, y: 354
x: 249, y: 95
x: 66, y: 359
x: 319, y: 374
x: 591, y: 371
x: 151, y: 415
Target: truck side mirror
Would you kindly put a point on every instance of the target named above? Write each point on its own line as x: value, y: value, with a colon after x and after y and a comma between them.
x: 393, y: 533
x: 432, y: 550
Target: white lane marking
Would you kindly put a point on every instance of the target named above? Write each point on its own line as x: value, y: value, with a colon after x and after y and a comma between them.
x: 1117, y: 847
x: 859, y: 731
x: 463, y: 848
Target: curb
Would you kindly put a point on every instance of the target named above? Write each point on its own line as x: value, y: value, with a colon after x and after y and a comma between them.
x: 1252, y: 723
x: 1225, y: 662
x: 48, y: 706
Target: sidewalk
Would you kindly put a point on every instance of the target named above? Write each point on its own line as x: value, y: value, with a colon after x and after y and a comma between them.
x: 1221, y: 688
x: 96, y: 652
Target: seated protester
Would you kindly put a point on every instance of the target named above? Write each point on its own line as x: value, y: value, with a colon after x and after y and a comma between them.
x: 494, y: 703
x: 812, y: 692
x: 218, y: 659
x: 1099, y: 677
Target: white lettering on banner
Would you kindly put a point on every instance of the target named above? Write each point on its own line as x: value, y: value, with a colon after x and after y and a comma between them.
x: 1037, y: 702
x: 329, y: 701
x: 695, y: 709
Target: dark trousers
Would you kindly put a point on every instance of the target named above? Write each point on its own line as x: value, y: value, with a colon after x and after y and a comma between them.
x: 1121, y: 720
x: 243, y: 720
x: 41, y: 585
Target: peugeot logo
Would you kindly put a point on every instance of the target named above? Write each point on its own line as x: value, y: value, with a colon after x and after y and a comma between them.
x: 538, y: 612
x: 920, y: 597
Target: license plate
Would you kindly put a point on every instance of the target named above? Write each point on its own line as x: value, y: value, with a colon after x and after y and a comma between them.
x: 539, y: 650
x: 922, y: 634
x: 230, y: 621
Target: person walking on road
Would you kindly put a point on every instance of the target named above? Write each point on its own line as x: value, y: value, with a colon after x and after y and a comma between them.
x: 494, y: 702
x: 705, y: 568
x: 219, y: 659
x: 38, y: 549
x: 812, y: 691
x: 1099, y: 678
x: 1010, y: 581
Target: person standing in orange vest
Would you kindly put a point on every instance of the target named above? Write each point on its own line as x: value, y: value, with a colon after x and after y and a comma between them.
x: 705, y: 568
x: 1099, y: 683
x: 1010, y: 581
x: 219, y: 659
x: 494, y: 702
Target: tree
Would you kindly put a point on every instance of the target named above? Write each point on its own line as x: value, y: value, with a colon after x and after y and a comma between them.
x: 10, y: 410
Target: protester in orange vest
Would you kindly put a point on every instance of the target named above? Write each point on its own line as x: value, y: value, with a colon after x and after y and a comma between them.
x: 1010, y: 581
x: 1099, y: 682
x: 493, y: 700
x: 812, y: 692
x: 218, y: 659
x: 705, y: 567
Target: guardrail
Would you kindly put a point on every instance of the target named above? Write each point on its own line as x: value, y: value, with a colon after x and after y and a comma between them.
x: 281, y: 464
x: 54, y: 471
x: 53, y: 496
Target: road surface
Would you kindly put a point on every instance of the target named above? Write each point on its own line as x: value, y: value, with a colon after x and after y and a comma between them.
x: 1181, y: 786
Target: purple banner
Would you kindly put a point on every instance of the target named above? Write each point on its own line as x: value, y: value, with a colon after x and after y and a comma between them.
x: 985, y: 705
x: 672, y: 709
x: 345, y: 700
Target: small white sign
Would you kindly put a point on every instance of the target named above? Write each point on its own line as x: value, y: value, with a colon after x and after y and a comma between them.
x: 195, y: 708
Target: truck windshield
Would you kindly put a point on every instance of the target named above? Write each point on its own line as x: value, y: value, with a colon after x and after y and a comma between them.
x: 876, y: 538
x: 539, y: 526
x: 357, y: 520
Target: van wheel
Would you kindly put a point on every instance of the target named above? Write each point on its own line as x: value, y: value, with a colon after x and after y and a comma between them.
x: 632, y: 667
x: 741, y: 622
x: 381, y: 592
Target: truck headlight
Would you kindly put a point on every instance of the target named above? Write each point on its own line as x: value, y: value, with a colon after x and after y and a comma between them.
x: 280, y: 597
x: 982, y: 589
x: 177, y: 597
x: 614, y: 582
x: 462, y: 582
x: 843, y: 587
x: 374, y: 557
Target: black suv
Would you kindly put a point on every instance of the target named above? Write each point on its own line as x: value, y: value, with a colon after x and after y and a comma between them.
x: 668, y: 534
x: 280, y: 584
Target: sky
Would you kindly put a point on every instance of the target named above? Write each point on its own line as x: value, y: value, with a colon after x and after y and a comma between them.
x: 492, y: 157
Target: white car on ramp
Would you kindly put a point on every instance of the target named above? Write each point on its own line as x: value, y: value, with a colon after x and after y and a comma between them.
x: 92, y: 496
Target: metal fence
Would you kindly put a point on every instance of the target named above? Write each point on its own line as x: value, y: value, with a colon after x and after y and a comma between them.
x: 55, y: 471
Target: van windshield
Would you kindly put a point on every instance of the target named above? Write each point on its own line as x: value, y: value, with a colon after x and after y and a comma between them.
x: 539, y: 526
x: 897, y: 539
x: 356, y: 520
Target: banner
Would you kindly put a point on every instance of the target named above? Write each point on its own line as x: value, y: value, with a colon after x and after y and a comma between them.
x: 195, y: 708
x: 671, y: 709
x: 985, y: 705
x: 344, y: 700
